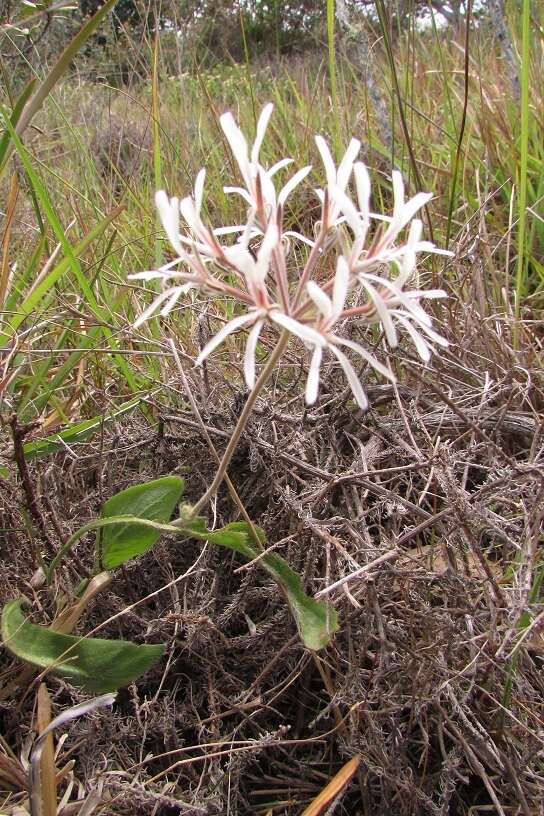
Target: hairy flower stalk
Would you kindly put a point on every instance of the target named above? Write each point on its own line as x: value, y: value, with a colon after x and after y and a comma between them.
x: 375, y: 278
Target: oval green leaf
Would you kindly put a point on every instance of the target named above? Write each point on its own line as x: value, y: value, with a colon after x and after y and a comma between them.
x: 92, y: 664
x: 153, y: 501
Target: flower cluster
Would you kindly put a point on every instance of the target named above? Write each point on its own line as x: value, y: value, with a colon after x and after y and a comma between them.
x: 374, y: 268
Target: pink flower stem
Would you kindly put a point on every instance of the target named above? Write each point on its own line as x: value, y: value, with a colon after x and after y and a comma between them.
x: 308, y: 269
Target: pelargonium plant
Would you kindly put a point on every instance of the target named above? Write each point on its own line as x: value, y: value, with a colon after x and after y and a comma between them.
x: 374, y: 258
x: 374, y: 281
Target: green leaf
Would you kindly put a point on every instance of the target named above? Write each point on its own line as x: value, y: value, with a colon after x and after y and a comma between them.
x: 316, y: 620
x: 234, y: 536
x: 95, y: 665
x: 153, y: 501
x: 75, y: 433
x: 15, y: 114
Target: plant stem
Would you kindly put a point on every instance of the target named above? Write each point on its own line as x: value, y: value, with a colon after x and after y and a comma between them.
x: 263, y: 378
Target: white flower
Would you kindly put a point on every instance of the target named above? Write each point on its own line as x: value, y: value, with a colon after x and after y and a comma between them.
x: 259, y: 192
x: 255, y: 272
x: 329, y: 312
x: 383, y: 249
x: 389, y: 303
x: 382, y: 276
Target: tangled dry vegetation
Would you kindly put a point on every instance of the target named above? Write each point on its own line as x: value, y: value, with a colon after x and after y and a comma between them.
x: 421, y: 520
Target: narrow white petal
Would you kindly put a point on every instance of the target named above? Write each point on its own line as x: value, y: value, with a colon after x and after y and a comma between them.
x: 238, y: 144
x: 407, y: 267
x: 398, y: 194
x: 349, y: 210
x: 229, y: 230
x: 414, y: 236
x: 243, y: 260
x: 382, y: 312
x: 177, y: 292
x: 421, y: 346
x: 352, y: 378
x: 202, y: 249
x: 240, y: 191
x: 321, y: 299
x: 286, y: 191
x: 427, y: 246
x: 249, y: 355
x: 168, y: 210
x: 340, y: 287
x: 267, y: 186
x: 171, y: 302
x: 411, y: 208
x: 248, y: 231
x: 262, y: 124
x: 430, y: 332
x: 362, y: 183
x: 428, y: 293
x: 230, y: 327
x: 199, y: 189
x: 346, y: 165
x: 380, y: 217
x: 299, y: 237
x: 312, y: 383
x: 152, y: 308
x: 153, y: 274
x: 326, y: 157
x: 407, y: 299
x: 306, y: 333
x: 366, y: 355
x: 163, y: 271
x: 279, y: 166
x: 189, y: 213
x: 435, y: 337
x: 270, y: 242
x: 162, y: 203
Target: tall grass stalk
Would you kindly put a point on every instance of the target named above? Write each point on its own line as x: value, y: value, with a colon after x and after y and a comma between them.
x: 521, y: 268
x: 157, y: 167
x: 331, y: 42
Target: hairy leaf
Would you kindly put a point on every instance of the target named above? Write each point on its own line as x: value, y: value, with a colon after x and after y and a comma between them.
x: 95, y: 665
